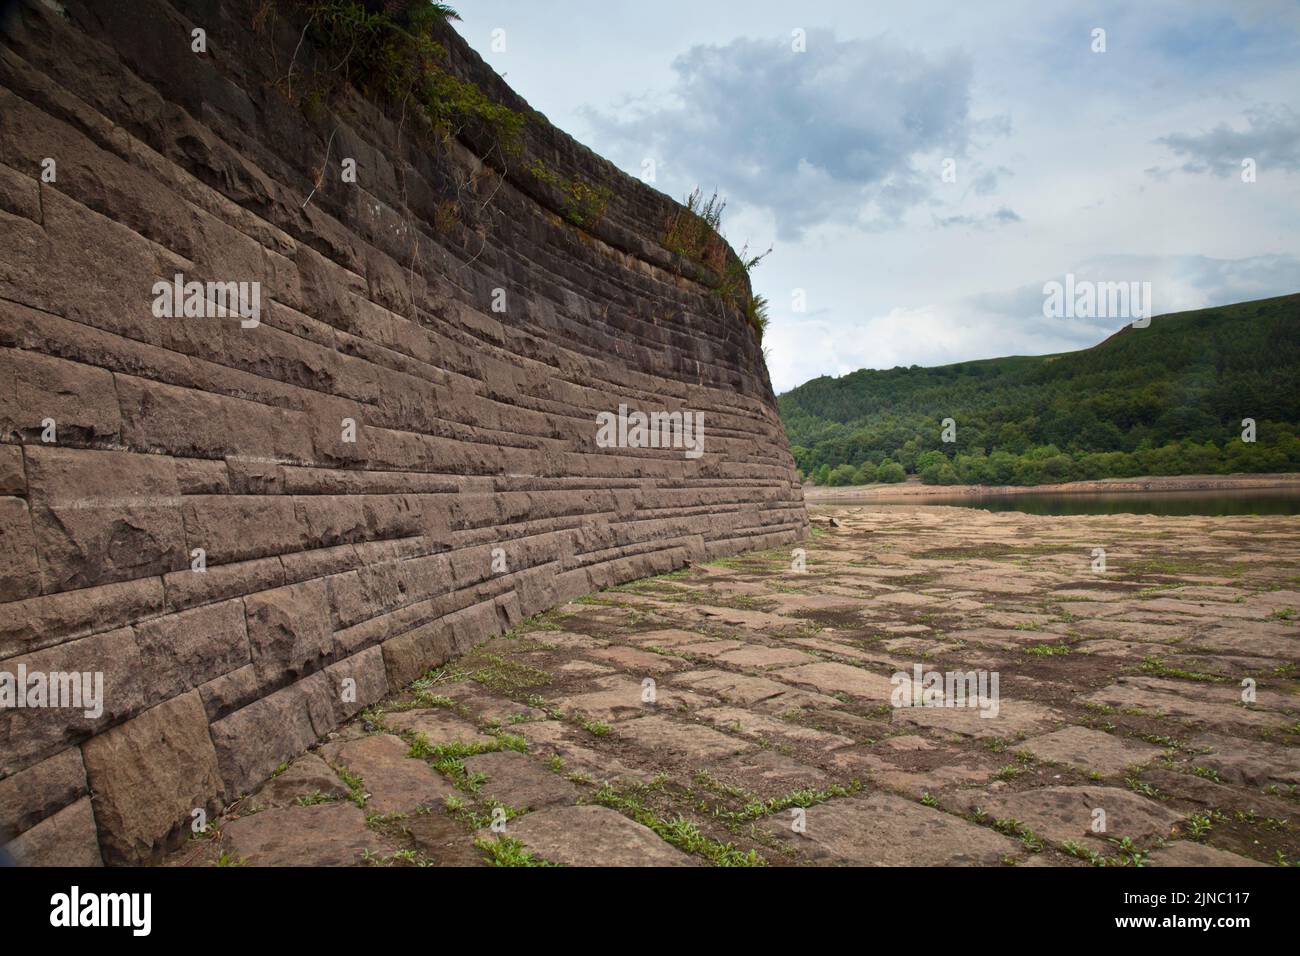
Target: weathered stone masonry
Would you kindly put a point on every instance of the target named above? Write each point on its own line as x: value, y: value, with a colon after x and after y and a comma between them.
x: 326, y: 560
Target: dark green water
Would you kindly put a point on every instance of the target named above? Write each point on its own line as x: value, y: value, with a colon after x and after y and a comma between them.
x: 1268, y: 501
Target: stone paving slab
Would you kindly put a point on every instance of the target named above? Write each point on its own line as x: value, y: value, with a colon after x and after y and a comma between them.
x: 762, y: 658
x: 694, y: 741
x: 332, y: 834
x: 395, y: 782
x: 747, y: 723
x: 618, y: 697
x: 438, y: 725
x: 1250, y: 762
x: 1071, y: 813
x: 307, y: 777
x: 831, y: 678
x: 520, y: 781
x: 591, y: 836
x: 1014, y: 719
x: 1091, y: 750
x: 885, y: 830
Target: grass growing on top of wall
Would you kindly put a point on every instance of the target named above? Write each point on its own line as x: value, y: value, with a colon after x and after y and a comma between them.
x: 693, y: 232
x: 392, y: 54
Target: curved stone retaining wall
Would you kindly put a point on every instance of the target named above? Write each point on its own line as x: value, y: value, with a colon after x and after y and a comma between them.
x: 253, y: 526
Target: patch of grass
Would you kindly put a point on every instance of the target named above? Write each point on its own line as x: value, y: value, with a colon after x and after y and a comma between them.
x: 1162, y: 740
x: 1079, y: 851
x: 356, y: 786
x: 584, y: 204
x: 1164, y: 566
x: 1138, y: 786
x: 541, y: 703
x: 1010, y: 772
x: 693, y: 233
x: 1012, y: 827
x: 314, y: 798
x: 1157, y: 668
x: 597, y: 728
x: 1047, y: 650
x: 1129, y: 853
x: 484, y: 815
x: 454, y: 769
x: 755, y: 809
x: 500, y: 673
x: 507, y: 851
x: 679, y: 831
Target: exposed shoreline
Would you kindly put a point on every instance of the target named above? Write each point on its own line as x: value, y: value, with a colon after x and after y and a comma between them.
x: 1144, y: 485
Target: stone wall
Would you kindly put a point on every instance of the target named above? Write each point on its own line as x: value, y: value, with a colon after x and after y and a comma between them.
x: 129, y: 442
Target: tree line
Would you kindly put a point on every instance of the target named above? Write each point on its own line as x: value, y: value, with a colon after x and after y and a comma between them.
x: 1205, y: 392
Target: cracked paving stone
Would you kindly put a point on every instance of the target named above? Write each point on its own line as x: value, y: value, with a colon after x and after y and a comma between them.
x: 1206, y: 704
x: 519, y: 781
x: 591, y: 836
x: 637, y: 661
x: 488, y: 707
x: 584, y: 669
x: 695, y: 741
x: 881, y: 829
x: 619, y: 697
x: 1254, y: 763
x: 307, y: 776
x: 768, y: 774
x: 1067, y: 813
x: 395, y: 782
x: 737, y: 720
x: 759, y: 656
x: 1013, y: 719
x: 328, y: 834
x: 439, y: 725
x: 733, y: 688
x: 1091, y: 750
x: 555, y: 738
x: 829, y: 677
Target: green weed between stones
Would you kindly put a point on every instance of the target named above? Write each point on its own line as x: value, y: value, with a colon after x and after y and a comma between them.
x: 507, y: 851
x: 1157, y: 668
x: 679, y: 831
x: 805, y: 798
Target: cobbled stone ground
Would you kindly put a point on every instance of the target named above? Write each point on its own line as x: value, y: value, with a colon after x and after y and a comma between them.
x: 739, y: 712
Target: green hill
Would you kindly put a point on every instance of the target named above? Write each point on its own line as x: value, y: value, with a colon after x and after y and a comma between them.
x: 1168, y: 399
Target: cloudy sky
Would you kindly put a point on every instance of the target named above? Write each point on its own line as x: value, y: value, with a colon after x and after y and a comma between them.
x: 1122, y: 165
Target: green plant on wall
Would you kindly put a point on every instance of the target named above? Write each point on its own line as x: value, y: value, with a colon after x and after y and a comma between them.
x: 584, y: 203
x: 693, y: 232
x: 392, y: 55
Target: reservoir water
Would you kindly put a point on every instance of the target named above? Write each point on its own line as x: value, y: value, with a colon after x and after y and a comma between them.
x: 1263, y: 501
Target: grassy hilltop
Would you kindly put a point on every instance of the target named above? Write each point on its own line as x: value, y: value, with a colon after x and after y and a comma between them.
x: 1165, y: 400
